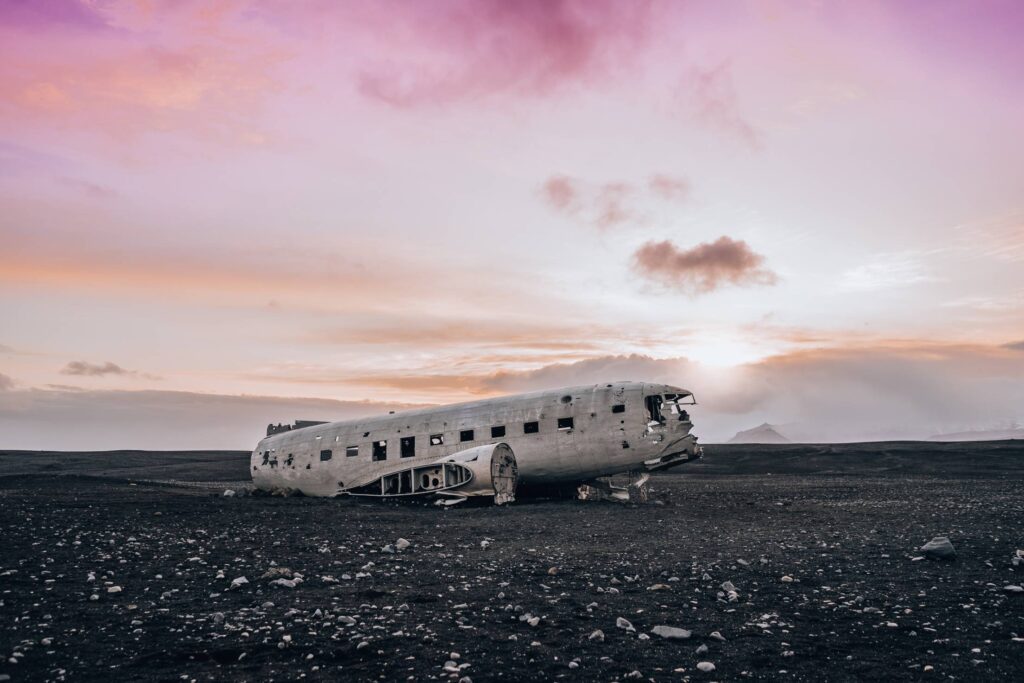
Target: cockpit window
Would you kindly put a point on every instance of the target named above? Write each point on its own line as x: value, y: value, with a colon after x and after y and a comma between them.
x: 673, y: 404
x: 653, y: 405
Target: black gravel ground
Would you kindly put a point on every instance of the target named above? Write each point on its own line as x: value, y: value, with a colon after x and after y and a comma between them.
x: 517, y: 592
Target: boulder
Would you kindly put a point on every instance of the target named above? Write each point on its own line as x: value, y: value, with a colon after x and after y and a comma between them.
x: 939, y: 548
x: 671, y: 632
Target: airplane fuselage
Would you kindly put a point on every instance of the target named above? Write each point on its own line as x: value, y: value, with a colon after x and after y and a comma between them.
x: 561, y: 436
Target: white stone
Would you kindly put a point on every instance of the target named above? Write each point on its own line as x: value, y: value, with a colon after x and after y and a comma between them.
x: 671, y: 632
x: 939, y: 548
x: 706, y: 667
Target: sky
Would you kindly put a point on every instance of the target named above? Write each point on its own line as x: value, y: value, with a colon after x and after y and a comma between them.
x: 215, y: 215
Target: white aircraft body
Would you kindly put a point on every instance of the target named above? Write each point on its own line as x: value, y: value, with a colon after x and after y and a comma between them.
x: 493, y: 447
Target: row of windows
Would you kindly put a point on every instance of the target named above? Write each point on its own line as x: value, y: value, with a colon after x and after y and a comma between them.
x: 407, y: 444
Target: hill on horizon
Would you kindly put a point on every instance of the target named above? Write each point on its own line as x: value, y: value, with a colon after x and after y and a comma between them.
x: 981, y: 435
x: 763, y: 433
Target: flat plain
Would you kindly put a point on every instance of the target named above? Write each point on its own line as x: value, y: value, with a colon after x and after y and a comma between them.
x: 127, y: 566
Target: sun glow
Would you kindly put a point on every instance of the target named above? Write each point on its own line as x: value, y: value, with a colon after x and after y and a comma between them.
x: 725, y: 351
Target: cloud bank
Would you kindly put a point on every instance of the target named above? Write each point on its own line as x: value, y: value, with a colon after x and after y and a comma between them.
x: 40, y: 419
x: 895, y: 391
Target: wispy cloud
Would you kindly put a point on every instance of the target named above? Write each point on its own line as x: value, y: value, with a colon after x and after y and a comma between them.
x: 669, y: 187
x: 6, y: 383
x: 471, y: 49
x: 613, y: 203
x: 710, y: 95
x: 120, y: 70
x: 998, y: 237
x: 886, y: 271
x: 85, y: 369
x: 703, y: 268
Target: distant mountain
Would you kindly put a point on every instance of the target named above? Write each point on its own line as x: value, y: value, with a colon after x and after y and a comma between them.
x: 981, y: 435
x: 765, y: 433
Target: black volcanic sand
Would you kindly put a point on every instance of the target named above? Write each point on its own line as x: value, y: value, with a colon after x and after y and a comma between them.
x: 75, y: 526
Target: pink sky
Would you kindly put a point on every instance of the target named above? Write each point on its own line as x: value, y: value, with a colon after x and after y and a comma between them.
x: 807, y: 213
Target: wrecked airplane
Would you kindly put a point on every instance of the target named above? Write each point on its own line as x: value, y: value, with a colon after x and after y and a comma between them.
x: 575, y: 438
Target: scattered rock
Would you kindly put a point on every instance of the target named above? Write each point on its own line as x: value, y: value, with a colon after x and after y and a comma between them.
x: 275, y: 572
x: 597, y: 635
x: 625, y: 624
x: 706, y: 667
x: 1013, y: 589
x: 939, y: 548
x: 671, y: 632
x: 229, y: 493
x: 402, y: 544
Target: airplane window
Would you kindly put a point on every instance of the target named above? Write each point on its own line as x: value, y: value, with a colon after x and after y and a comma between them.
x: 324, y: 455
x: 437, y: 439
x: 498, y: 432
x: 619, y: 408
x: 531, y: 427
x: 653, y: 404
x: 380, y: 450
x: 408, y: 446
x: 466, y: 435
x: 351, y: 451
x: 565, y: 423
